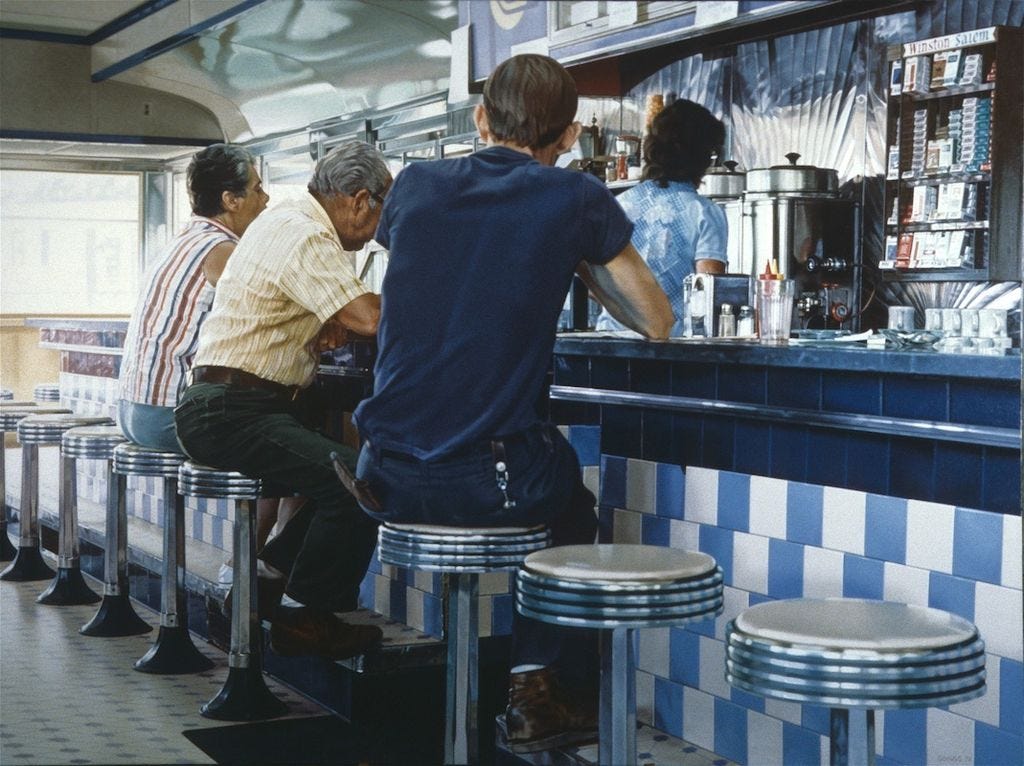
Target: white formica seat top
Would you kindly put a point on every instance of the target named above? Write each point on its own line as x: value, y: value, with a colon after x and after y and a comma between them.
x: 619, y: 563
x: 854, y: 624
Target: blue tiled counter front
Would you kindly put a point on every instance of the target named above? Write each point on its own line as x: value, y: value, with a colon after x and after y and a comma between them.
x: 913, y: 424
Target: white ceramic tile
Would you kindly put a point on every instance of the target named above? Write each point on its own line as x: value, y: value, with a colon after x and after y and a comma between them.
x: 712, y: 667
x: 930, y: 535
x: 950, y: 738
x: 1011, y: 571
x: 414, y: 608
x: 492, y: 583
x: 698, y: 718
x: 645, y: 698
x: 592, y: 479
x: 997, y: 613
x: 424, y: 581
x: 842, y: 523
x: 786, y: 711
x: 627, y: 526
x: 684, y: 535
x: 764, y: 740
x: 823, y: 573
x: 906, y: 584
x: 986, y: 707
x: 641, y: 485
x: 485, y: 608
x: 654, y: 651
x: 382, y: 593
x: 750, y: 562
x: 701, y: 496
x: 768, y: 506
x: 734, y: 601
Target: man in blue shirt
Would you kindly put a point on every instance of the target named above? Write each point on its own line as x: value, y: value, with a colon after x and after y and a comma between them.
x: 482, y: 252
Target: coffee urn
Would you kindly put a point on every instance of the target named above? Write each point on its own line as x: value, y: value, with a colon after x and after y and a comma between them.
x: 794, y: 217
x: 725, y: 185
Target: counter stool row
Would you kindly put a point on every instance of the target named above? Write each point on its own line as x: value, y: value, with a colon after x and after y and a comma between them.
x: 854, y: 656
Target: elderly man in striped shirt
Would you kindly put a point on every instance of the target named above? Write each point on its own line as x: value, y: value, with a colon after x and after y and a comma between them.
x: 289, y: 290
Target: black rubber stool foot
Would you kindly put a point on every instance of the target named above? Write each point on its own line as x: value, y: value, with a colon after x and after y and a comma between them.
x: 28, y: 565
x: 68, y: 588
x: 7, y: 549
x: 244, y: 697
x: 115, y: 617
x: 173, y: 652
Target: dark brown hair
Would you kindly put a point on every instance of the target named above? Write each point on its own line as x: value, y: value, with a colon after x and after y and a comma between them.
x: 217, y: 168
x: 530, y: 100
x: 683, y: 137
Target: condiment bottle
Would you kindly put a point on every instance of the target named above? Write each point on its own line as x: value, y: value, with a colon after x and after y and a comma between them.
x: 745, y: 322
x: 726, y: 322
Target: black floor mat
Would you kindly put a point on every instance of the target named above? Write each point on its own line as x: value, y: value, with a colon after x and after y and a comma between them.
x: 310, y: 741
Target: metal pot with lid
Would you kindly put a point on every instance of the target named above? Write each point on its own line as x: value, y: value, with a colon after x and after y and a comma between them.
x: 723, y: 182
x: 793, y: 178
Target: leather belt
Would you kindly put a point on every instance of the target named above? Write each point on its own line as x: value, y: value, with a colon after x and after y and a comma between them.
x: 242, y: 379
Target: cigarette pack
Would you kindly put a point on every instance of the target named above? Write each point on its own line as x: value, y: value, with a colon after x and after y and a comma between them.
x: 903, y: 250
x: 951, y: 73
x: 896, y: 78
x: 938, y: 70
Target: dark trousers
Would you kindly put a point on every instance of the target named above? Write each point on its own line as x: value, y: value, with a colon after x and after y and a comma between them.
x: 545, y: 482
x: 327, y: 546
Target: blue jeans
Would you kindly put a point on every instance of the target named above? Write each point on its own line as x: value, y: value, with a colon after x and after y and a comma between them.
x: 148, y: 425
x: 545, y: 482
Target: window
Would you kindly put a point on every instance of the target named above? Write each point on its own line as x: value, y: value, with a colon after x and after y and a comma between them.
x: 69, y: 242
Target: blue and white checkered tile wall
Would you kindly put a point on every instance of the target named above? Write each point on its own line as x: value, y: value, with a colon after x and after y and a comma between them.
x: 415, y: 598
x: 784, y: 539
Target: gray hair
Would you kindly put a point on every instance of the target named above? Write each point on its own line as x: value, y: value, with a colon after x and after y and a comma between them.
x: 349, y: 168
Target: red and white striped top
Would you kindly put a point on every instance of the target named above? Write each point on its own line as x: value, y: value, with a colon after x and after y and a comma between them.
x: 164, y: 329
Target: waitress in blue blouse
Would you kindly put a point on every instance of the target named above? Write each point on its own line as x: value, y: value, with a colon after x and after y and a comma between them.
x: 676, y: 230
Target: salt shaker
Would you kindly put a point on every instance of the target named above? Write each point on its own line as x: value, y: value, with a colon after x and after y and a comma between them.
x: 745, y: 322
x: 726, y: 322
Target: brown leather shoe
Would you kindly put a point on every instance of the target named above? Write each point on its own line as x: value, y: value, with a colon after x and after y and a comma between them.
x: 541, y: 715
x: 297, y: 631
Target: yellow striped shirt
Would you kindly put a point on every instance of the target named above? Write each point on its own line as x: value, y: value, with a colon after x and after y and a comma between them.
x: 287, y: 276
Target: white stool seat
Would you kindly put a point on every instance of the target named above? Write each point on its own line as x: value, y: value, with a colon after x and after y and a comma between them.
x: 854, y: 653
x: 48, y: 428
x: 11, y: 416
x: 47, y: 392
x: 621, y: 564
x: 91, y: 442
x: 133, y: 460
x: 458, y: 549
x: 203, y: 481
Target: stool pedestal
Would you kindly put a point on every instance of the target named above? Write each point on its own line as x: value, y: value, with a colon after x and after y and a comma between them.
x: 91, y: 442
x: 463, y: 553
x: 116, y: 616
x: 854, y: 656
x: 10, y: 413
x: 244, y: 695
x: 173, y: 651
x: 618, y: 589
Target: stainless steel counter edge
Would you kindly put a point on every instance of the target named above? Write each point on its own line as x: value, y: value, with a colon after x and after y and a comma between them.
x: 962, y: 433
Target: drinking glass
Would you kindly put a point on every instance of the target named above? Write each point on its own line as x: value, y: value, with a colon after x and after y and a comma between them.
x: 775, y: 309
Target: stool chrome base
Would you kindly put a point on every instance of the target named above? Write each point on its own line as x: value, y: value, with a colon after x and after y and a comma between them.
x: 173, y: 653
x: 115, y: 617
x: 244, y: 697
x: 68, y: 589
x: 7, y: 549
x: 28, y: 565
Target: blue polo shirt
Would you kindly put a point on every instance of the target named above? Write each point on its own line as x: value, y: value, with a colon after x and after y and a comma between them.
x: 482, y: 250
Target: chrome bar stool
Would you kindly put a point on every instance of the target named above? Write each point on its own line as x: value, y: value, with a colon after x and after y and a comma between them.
x: 463, y: 553
x: 244, y: 695
x: 82, y: 442
x: 40, y: 428
x: 854, y: 656
x: 47, y: 392
x: 173, y: 651
x: 618, y: 589
x: 11, y: 412
x: 6, y: 395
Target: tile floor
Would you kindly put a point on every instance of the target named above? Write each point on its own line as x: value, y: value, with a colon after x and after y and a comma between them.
x: 69, y: 699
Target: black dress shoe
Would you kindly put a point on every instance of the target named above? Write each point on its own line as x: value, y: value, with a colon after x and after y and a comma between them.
x: 541, y: 715
x: 268, y: 595
x: 297, y: 631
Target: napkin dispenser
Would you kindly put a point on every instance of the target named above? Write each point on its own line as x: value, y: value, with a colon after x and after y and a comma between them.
x: 703, y: 298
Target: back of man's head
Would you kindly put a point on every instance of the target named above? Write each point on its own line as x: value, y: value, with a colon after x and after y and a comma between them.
x: 216, y: 169
x: 530, y: 100
x: 349, y: 168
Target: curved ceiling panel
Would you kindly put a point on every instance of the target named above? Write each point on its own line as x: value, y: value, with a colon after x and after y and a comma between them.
x: 287, y: 63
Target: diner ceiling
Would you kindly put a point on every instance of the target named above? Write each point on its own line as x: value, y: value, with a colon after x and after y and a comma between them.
x: 262, y: 67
